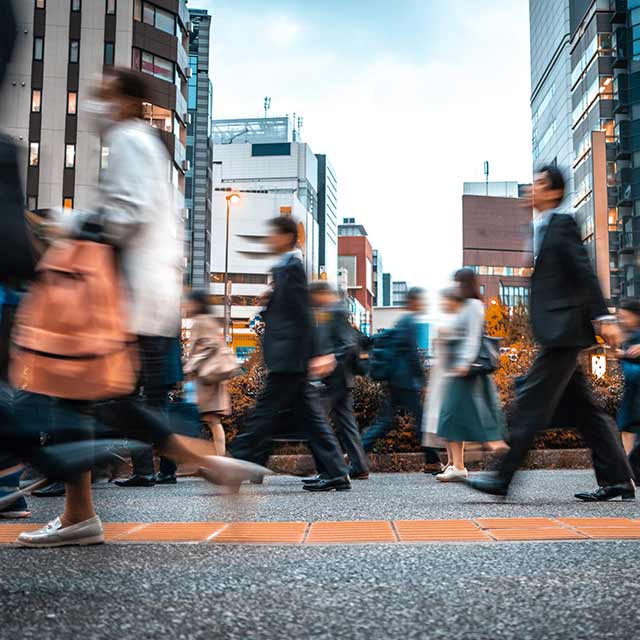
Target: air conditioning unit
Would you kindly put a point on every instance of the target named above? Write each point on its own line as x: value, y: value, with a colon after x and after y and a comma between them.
x: 186, y: 165
x: 187, y: 118
x: 190, y: 26
x: 189, y: 72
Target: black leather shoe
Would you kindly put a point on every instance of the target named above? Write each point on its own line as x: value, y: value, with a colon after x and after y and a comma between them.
x: 315, y: 479
x: 488, y: 483
x: 137, y: 481
x: 624, y: 490
x: 54, y: 490
x: 330, y: 484
x: 359, y: 476
x: 166, y: 478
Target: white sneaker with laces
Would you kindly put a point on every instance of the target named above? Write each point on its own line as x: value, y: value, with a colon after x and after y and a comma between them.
x: 452, y: 474
x: 55, y: 535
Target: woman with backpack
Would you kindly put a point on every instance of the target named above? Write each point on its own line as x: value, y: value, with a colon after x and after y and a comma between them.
x: 469, y: 409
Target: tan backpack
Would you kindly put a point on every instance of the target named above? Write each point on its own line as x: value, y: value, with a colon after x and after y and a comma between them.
x: 69, y: 339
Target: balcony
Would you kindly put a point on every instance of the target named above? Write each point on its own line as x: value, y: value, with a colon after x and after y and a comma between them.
x: 181, y: 105
x: 620, y: 48
x: 625, y: 240
x: 623, y: 149
x: 619, y: 11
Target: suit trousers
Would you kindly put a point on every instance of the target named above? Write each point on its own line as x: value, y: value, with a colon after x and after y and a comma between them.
x: 284, y: 392
x: 554, y: 376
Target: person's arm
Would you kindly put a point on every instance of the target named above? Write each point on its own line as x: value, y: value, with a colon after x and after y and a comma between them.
x: 470, y: 344
x: 344, y: 336
x: 407, y: 347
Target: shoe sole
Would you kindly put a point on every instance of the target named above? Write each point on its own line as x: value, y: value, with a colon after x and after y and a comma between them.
x: 461, y: 479
x: 622, y: 499
x: 81, y: 542
x: 310, y: 490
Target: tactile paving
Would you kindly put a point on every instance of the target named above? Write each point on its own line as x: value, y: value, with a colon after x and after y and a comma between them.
x: 352, y: 531
x: 542, y: 533
x: 9, y: 532
x: 515, y: 523
x: 172, y: 532
x: 262, y: 532
x: 439, y: 531
x: 599, y: 522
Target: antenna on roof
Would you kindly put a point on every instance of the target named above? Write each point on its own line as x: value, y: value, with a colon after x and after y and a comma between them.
x: 267, y: 105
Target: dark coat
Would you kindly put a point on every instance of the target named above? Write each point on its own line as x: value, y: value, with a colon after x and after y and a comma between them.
x: 289, y: 331
x: 408, y: 369
x: 565, y: 294
x: 629, y: 411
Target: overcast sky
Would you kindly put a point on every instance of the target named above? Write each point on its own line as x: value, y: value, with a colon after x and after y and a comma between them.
x: 407, y: 98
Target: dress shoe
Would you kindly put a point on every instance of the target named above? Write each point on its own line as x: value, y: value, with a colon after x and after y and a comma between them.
x: 137, y: 481
x: 231, y: 472
x: 488, y: 483
x: 330, y: 484
x: 166, y: 478
x: 54, y: 490
x: 359, y: 476
x: 55, y: 535
x: 624, y: 490
x: 314, y: 479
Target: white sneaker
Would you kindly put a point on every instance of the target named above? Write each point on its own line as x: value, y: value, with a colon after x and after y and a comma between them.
x: 55, y: 535
x: 451, y: 474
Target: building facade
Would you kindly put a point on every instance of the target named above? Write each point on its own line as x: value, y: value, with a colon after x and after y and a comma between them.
x: 497, y: 245
x: 551, y: 106
x: 399, y: 293
x: 327, y: 219
x: 387, y: 282
x: 198, y: 179
x: 62, y: 47
x: 377, y: 278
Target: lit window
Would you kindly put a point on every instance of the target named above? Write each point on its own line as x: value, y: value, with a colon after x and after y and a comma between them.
x: 40, y: 4
x: 67, y: 204
x: 36, y: 97
x: 74, y: 51
x: 34, y: 154
x: 111, y: 7
x: 70, y: 156
x: 76, y: 5
x: 72, y: 103
x: 108, y: 53
x: 38, y: 48
x: 32, y: 203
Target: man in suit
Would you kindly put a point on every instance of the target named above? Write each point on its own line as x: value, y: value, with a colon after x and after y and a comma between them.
x: 292, y: 356
x: 406, y: 386
x: 337, y: 336
x: 566, y: 303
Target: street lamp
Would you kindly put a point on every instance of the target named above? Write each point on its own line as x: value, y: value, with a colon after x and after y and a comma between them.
x: 231, y: 198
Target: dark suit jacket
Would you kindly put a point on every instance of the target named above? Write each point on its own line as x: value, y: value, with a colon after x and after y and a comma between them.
x: 565, y: 293
x: 337, y: 336
x: 408, y: 370
x: 289, y: 340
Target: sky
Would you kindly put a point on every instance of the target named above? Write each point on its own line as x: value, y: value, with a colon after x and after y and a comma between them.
x: 407, y: 98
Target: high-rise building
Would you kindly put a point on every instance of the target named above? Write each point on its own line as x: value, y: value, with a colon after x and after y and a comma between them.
x: 399, y: 290
x: 198, y: 186
x: 387, y: 297
x: 274, y: 174
x: 327, y: 218
x: 377, y: 278
x: 551, y: 106
x: 62, y: 46
x: 497, y: 243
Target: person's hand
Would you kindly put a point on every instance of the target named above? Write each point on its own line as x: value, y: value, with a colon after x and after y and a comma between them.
x: 264, y: 298
x: 611, y: 334
x: 461, y: 372
x: 633, y: 351
x: 322, y: 366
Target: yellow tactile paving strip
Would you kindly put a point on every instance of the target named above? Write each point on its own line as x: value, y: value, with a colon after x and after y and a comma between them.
x: 359, y: 531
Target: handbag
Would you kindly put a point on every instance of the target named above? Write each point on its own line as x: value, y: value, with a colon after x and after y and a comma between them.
x: 488, y: 358
x: 216, y: 364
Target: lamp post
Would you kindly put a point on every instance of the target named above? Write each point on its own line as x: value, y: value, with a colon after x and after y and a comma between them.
x: 232, y: 198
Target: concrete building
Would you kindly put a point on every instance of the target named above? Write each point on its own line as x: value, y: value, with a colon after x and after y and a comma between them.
x: 399, y: 291
x: 355, y: 257
x: 62, y: 47
x: 387, y: 282
x: 497, y: 245
x: 274, y: 175
x: 327, y: 218
x: 551, y: 106
x: 198, y: 185
x: 378, y: 283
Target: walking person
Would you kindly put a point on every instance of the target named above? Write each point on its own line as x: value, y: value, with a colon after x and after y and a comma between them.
x: 469, y: 408
x: 292, y: 357
x: 339, y: 338
x: 407, y: 380
x: 566, y: 303
x: 207, y: 340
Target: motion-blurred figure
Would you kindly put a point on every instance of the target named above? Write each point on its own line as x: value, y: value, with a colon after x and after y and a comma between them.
x: 566, y: 302
x: 291, y: 357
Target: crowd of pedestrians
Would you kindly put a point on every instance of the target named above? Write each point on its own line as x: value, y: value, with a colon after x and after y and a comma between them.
x: 93, y: 375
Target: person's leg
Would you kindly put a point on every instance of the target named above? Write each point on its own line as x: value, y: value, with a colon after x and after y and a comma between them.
x: 457, y: 455
x: 383, y: 423
x: 78, y: 505
x: 628, y: 441
x: 214, y: 424
x: 536, y: 402
x: 349, y: 434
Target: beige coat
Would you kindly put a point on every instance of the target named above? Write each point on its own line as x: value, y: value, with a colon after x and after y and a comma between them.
x: 205, y: 333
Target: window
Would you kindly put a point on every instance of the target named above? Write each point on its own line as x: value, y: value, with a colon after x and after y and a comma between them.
x: 74, y: 51
x: 349, y: 264
x: 76, y: 5
x: 165, y: 21
x: 156, y: 17
x: 153, y: 65
x: 108, y: 53
x: 34, y: 154
x: 158, y: 117
x: 40, y: 4
x: 70, y: 156
x: 514, y: 296
x: 137, y: 10
x: 36, y: 97
x: 241, y: 278
x: 38, y: 48
x: 32, y: 203
x: 111, y: 7
x: 72, y: 103
x: 67, y: 204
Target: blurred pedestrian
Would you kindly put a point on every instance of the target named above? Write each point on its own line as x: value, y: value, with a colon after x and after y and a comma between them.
x: 566, y: 304
x: 292, y: 357
x: 469, y: 408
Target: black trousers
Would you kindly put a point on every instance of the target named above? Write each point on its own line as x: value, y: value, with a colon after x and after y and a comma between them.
x: 285, y: 392
x: 554, y: 376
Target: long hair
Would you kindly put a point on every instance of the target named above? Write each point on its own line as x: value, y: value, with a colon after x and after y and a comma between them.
x: 469, y: 285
